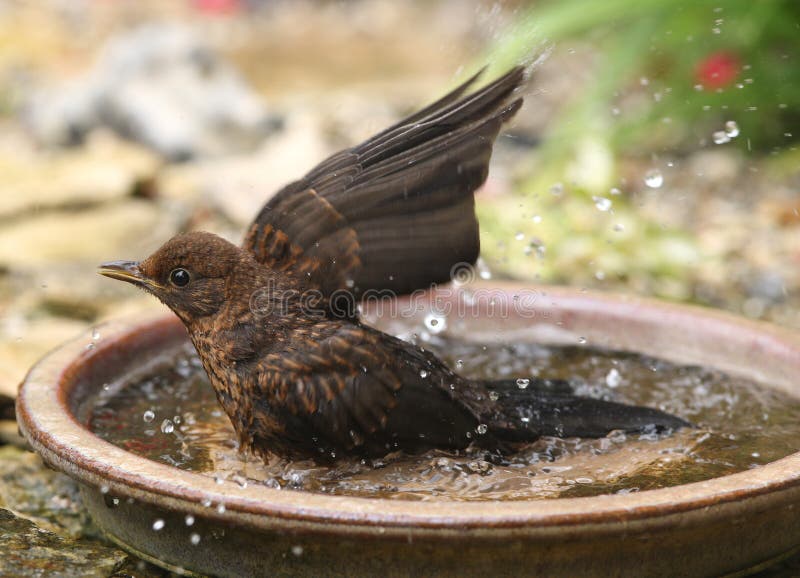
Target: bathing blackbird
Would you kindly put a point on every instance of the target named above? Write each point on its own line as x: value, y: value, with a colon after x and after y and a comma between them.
x: 291, y: 364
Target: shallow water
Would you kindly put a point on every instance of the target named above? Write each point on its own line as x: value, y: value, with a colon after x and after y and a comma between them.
x: 171, y: 416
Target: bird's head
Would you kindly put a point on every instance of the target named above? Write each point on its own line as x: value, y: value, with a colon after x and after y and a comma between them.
x: 190, y: 273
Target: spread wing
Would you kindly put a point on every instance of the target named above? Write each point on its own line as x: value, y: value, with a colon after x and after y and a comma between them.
x: 344, y: 386
x: 397, y: 211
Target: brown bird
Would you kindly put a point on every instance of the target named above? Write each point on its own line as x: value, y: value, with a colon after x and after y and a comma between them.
x: 291, y: 364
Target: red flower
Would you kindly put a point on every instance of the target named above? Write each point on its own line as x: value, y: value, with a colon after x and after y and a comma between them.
x: 717, y: 70
x: 217, y: 6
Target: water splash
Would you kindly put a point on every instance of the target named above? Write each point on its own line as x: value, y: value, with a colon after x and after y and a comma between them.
x: 602, y: 203
x: 654, y: 179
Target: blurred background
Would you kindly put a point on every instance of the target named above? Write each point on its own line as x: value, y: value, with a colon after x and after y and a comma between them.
x: 656, y: 153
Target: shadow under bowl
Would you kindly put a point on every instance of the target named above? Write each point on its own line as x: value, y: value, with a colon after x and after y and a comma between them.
x: 731, y: 524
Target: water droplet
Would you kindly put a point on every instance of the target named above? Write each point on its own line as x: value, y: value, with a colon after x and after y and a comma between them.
x: 95, y: 335
x: 523, y: 382
x: 536, y: 218
x: 557, y: 189
x: 482, y: 428
x: 221, y: 509
x: 158, y: 525
x: 602, y: 203
x: 194, y: 538
x: 297, y: 550
x: 423, y: 374
x: 720, y: 137
x: 148, y: 416
x: 167, y: 426
x: 89, y: 346
x: 615, y: 191
x: 483, y: 269
x: 493, y: 395
x: 731, y: 129
x: 104, y: 489
x: 537, y: 246
x: 189, y: 519
x: 613, y: 378
x: 582, y: 340
x: 519, y: 236
x: 654, y: 179
x: 435, y: 322
x: 459, y: 363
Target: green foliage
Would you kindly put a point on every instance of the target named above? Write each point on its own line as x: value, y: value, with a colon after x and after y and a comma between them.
x: 676, y: 46
x: 566, y: 239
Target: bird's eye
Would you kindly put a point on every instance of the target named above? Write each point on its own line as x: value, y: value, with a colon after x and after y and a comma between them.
x: 179, y: 277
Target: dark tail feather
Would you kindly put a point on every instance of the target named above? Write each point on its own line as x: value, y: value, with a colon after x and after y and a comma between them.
x: 550, y: 408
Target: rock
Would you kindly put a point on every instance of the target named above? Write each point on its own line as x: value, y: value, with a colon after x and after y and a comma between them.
x: 768, y: 285
x: 23, y: 341
x: 785, y: 212
x: 106, y: 169
x: 163, y: 87
x: 9, y: 432
x: 46, y: 497
x: 238, y: 187
x: 114, y: 231
x: 31, y: 551
x: 44, y: 530
x: 43, y: 318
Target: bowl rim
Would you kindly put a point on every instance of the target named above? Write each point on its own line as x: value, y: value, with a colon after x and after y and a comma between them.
x: 47, y: 423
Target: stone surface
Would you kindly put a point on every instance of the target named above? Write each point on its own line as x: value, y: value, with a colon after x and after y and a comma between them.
x: 107, y: 232
x: 106, y: 169
x: 31, y: 551
x: 24, y: 341
x: 239, y: 186
x: 44, y: 530
x: 161, y: 85
x: 48, y: 498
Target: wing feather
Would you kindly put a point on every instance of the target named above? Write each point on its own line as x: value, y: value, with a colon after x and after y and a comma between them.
x: 397, y: 211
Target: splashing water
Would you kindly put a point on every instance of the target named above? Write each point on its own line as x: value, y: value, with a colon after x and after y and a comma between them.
x: 654, y: 179
x: 742, y: 425
x: 435, y: 322
x: 602, y: 203
x: 720, y: 137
